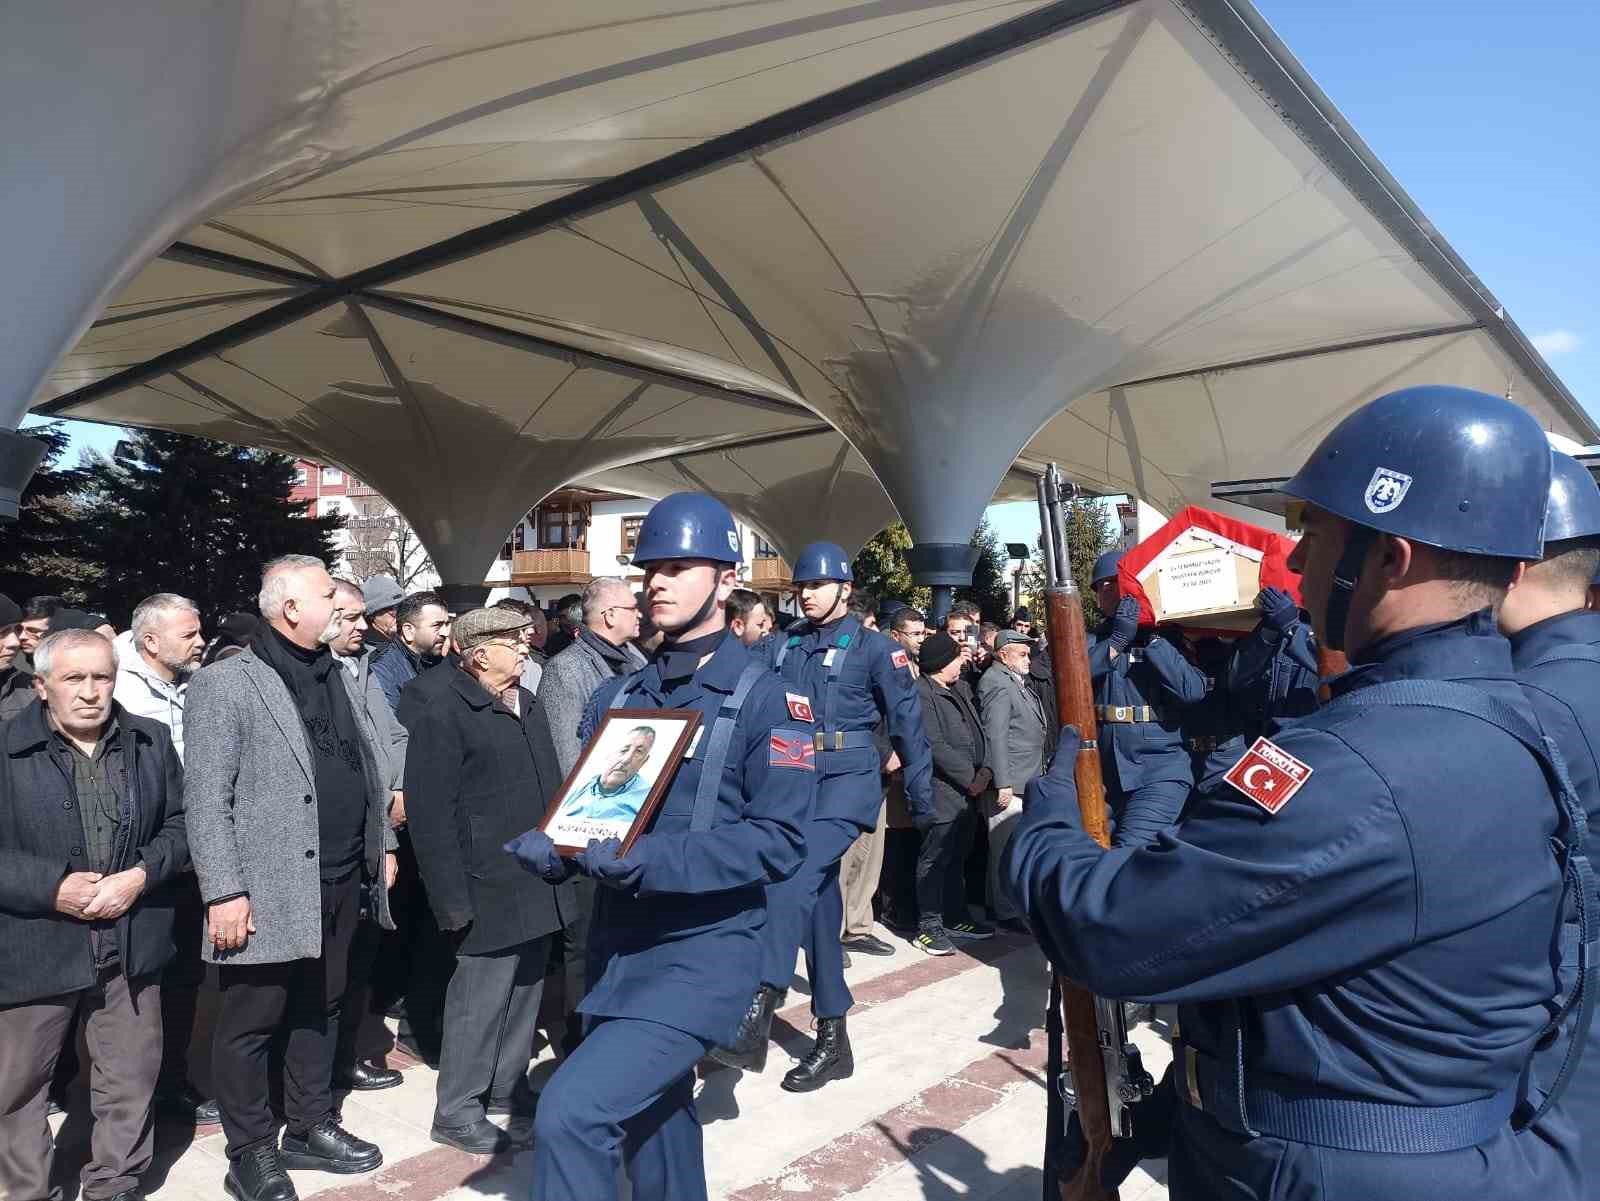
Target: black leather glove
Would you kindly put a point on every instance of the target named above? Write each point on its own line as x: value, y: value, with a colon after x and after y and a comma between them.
x: 537, y: 854
x: 1277, y: 609
x: 1125, y: 623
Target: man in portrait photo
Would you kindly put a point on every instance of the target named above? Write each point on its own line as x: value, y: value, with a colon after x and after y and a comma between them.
x: 617, y: 792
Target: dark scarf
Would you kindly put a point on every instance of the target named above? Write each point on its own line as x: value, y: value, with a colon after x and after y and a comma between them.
x: 616, y: 658
x: 678, y: 660
x: 324, y: 707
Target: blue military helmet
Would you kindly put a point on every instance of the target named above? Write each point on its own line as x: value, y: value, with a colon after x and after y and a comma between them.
x: 688, y: 525
x: 1574, y: 508
x: 1105, y: 567
x: 822, y: 561
x: 1449, y: 467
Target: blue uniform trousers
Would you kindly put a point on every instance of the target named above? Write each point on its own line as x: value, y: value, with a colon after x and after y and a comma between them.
x: 807, y: 910
x: 629, y: 1085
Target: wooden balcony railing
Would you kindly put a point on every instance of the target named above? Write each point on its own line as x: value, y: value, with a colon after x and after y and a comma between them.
x: 770, y: 574
x: 550, y: 567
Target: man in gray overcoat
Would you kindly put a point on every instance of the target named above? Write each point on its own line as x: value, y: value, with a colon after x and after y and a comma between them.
x: 288, y: 825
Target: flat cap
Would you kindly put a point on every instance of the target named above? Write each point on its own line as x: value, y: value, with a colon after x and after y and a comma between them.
x: 1010, y: 638
x: 379, y: 593
x: 10, y: 613
x: 75, y: 619
x: 477, y: 626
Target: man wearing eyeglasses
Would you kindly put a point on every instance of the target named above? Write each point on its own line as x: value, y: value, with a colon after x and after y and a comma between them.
x: 480, y: 769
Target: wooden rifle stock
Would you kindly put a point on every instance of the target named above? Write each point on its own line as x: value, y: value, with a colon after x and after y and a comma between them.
x: 1068, y: 640
x: 1329, y: 664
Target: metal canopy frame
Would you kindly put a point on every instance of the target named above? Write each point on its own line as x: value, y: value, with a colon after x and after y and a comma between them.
x: 1241, y: 35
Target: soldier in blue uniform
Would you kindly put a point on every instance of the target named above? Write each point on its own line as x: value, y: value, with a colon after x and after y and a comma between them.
x: 1555, y: 647
x: 1213, y: 730
x: 675, y: 947
x: 853, y: 679
x: 1142, y: 687
x: 1274, y: 669
x: 1357, y: 921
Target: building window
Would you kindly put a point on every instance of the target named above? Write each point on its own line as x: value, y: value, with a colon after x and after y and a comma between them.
x: 333, y: 507
x: 332, y: 475
x: 765, y: 549
x: 630, y: 534
x: 505, y: 551
x: 519, y: 537
x: 300, y: 477
x: 562, y: 526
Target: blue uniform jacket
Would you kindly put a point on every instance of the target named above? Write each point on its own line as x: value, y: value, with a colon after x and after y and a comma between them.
x: 1566, y: 700
x: 684, y: 948
x: 875, y: 686
x: 1273, y: 676
x: 1153, y: 673
x: 1386, y: 934
x: 1218, y: 721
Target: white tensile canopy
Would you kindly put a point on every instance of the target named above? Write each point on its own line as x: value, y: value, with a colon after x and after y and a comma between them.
x: 831, y: 260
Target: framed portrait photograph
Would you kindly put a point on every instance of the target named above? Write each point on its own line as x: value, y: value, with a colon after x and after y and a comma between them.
x: 620, y: 778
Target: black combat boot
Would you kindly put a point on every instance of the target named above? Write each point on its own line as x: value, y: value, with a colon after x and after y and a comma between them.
x: 829, y: 1059
x: 749, y: 1047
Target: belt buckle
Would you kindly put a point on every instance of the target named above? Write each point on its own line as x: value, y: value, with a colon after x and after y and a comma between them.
x: 1124, y: 713
x: 819, y: 741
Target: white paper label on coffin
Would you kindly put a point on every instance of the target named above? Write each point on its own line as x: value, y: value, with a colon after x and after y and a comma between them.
x: 1198, y: 581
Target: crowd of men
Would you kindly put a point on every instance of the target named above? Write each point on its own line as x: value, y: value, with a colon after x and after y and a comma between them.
x: 330, y: 812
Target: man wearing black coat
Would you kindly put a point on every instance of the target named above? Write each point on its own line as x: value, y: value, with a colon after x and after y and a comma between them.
x: 91, y: 833
x: 959, y: 778
x: 480, y: 770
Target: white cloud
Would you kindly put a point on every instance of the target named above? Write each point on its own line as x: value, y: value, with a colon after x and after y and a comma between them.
x: 1556, y: 341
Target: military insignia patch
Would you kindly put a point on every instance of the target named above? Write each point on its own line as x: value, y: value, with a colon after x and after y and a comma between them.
x: 1386, y: 490
x: 799, y: 707
x: 899, y: 659
x: 791, y: 750
x: 1268, y: 775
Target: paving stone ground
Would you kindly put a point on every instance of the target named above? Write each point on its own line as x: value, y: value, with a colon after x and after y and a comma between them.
x: 947, y: 1101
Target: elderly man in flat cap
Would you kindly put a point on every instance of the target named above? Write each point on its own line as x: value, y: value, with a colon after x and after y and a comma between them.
x: 480, y: 770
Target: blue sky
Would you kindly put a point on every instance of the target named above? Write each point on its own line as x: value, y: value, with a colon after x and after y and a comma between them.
x: 1489, y: 116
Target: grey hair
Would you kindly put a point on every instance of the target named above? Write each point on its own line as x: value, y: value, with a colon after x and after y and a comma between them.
x: 594, y: 593
x: 66, y: 640
x: 153, y: 609
x: 275, y: 581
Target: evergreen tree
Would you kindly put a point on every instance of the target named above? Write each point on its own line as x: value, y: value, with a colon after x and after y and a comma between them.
x: 173, y: 513
x: 1091, y: 532
x: 989, y: 589
x: 881, y: 567
x: 42, y: 552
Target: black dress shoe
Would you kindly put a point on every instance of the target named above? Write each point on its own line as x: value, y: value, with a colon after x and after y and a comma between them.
x: 329, y: 1147
x: 482, y: 1137
x: 522, y: 1103
x: 184, y: 1103
x: 748, y: 1050
x: 868, y: 944
x: 367, y: 1078
x: 258, y: 1175
x: 828, y: 1059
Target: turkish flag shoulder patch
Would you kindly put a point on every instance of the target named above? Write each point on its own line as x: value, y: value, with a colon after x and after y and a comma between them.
x: 899, y: 659
x: 799, y: 707
x: 1268, y: 775
x: 791, y: 750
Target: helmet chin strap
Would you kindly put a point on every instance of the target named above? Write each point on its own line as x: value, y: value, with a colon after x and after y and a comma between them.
x: 1346, y: 577
x: 833, y: 609
x: 703, y: 612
